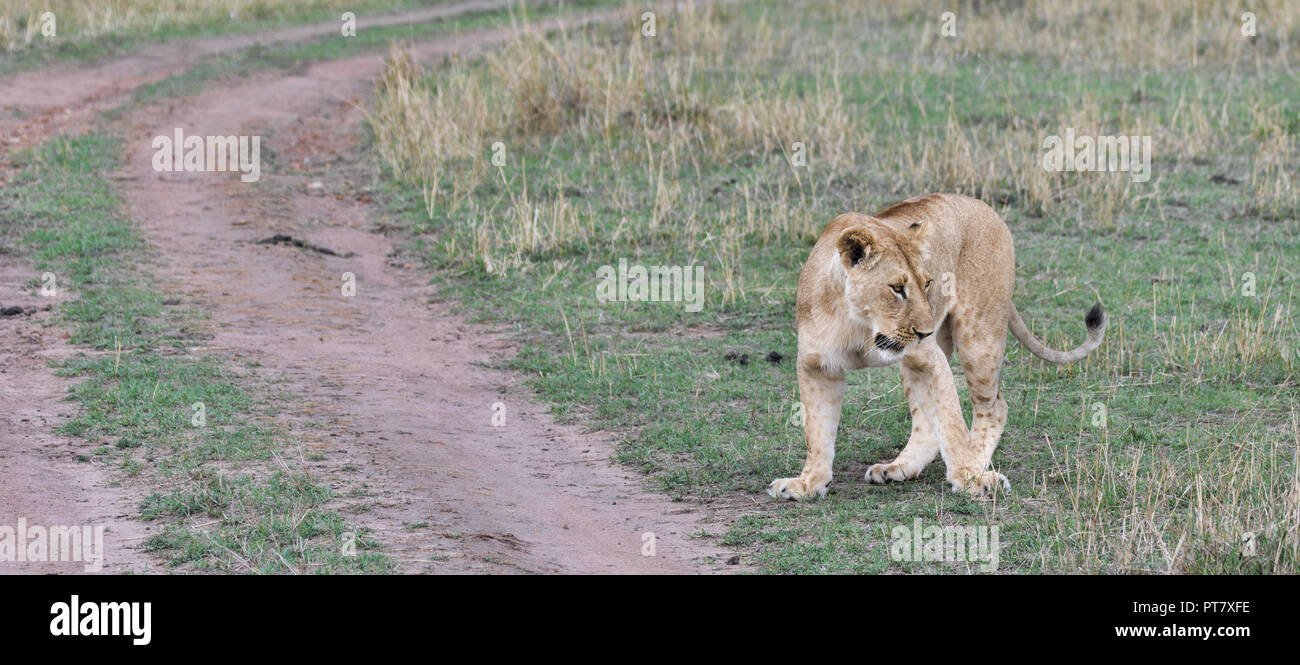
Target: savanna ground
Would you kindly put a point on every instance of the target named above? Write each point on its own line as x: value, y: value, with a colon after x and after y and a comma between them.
x: 1155, y: 454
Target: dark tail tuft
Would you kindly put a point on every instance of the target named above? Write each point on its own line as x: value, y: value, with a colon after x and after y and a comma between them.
x: 1095, y: 317
x: 1096, y: 320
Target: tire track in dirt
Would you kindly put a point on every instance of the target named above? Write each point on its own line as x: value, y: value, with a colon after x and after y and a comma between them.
x: 42, y: 483
x: 393, y: 391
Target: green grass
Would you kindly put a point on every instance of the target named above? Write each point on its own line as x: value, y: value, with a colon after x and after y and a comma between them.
x: 1198, y: 380
x: 229, y: 494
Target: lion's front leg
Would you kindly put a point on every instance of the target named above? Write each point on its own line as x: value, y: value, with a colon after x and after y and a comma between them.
x: 922, y: 443
x: 930, y: 379
x: 822, y: 395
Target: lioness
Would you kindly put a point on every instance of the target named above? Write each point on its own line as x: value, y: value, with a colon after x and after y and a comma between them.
x: 868, y: 298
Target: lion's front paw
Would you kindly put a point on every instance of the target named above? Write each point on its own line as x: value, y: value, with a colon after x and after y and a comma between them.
x: 797, y: 489
x: 879, y: 474
x: 979, y: 484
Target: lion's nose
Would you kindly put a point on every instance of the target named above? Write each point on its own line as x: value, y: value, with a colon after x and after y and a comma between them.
x: 921, y: 335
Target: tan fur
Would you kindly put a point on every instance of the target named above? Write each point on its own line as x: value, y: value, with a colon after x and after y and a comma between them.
x: 847, y: 297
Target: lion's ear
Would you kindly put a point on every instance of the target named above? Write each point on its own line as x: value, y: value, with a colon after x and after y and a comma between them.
x: 919, y: 234
x: 857, y: 246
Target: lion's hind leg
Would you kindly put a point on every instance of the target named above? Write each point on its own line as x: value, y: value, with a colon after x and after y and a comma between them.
x: 981, y: 348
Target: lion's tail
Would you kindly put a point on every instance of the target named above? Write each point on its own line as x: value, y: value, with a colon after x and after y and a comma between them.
x: 1095, y: 320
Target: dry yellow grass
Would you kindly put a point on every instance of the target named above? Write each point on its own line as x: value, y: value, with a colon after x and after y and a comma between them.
x: 586, y: 84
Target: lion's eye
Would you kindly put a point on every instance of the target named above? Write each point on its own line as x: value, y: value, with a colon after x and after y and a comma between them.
x: 897, y: 288
x: 928, y: 282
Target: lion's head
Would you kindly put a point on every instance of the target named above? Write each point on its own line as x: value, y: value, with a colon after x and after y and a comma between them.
x: 886, y: 287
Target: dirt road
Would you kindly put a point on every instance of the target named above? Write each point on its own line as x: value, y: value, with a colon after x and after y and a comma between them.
x: 392, y: 391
